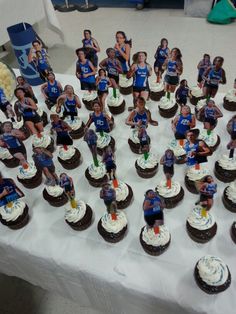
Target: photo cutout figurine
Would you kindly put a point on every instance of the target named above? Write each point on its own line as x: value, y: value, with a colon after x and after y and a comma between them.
x: 168, y: 161
x: 90, y: 138
x: 154, y: 237
x: 113, y: 224
x: 108, y: 159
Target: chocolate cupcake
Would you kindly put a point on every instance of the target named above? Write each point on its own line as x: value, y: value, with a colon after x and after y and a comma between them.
x: 124, y: 195
x: 30, y: 177
x: 125, y: 85
x: 134, y: 142
x: 14, y: 215
x: 193, y: 175
x: 147, y: 168
x: 225, y: 169
x: 212, y: 275
x: 178, y: 148
x: 200, y: 104
x: 196, y: 95
x: 69, y: 158
x: 212, y: 140
x: 152, y: 243
x: 43, y: 116
x: 201, y: 229
x: 167, y: 107
x: 171, y: 196
x: 96, y: 176
x: 55, y: 196
x: 116, y: 104
x: 88, y: 98
x: 80, y: 217
x: 44, y: 141
x: 229, y: 197
x: 7, y: 159
x: 233, y: 231
x: 156, y: 90
x: 103, y: 141
x: 230, y: 100
x: 77, y: 127
x: 111, y: 230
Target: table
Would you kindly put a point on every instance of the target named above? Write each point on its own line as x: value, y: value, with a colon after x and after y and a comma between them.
x: 13, y: 12
x: 120, y: 278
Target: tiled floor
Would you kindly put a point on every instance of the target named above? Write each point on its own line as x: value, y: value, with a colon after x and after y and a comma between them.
x: 194, y: 37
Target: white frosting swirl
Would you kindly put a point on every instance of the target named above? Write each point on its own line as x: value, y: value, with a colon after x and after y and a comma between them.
x: 43, y: 141
x: 12, y: 213
x: 55, y: 190
x: 156, y: 87
x: 151, y: 162
x: 231, y: 95
x: 74, y: 124
x: 200, y: 104
x: 103, y: 141
x: 197, y: 174
x: 151, y: 238
x: 210, y: 139
x: 177, y: 149
x: 114, y: 226
x: 166, y: 103
x: 231, y: 191
x: 28, y: 173
x: 39, y: 111
x: 66, y: 154
x: 227, y: 163
x: 196, y: 91
x: 197, y: 221
x: 134, y: 136
x: 115, y: 102
x: 124, y: 82
x: 4, y: 153
x: 89, y: 95
x: 122, y: 191
x: 212, y: 270
x: 18, y: 124
x: 75, y: 214
x: 97, y: 172
x: 164, y: 191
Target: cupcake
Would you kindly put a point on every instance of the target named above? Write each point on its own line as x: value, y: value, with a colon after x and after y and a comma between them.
x: 229, y: 197
x: 152, y: 243
x: 167, y: 107
x: 134, y: 142
x: 230, y: 100
x: 80, y: 217
x: 196, y: 95
x: 14, y: 215
x: 193, y: 175
x: 7, y: 159
x: 124, y: 195
x: 55, y: 195
x: 88, y: 98
x: 212, y: 140
x: 171, y: 196
x: 200, y: 104
x: 30, y: 177
x: 116, y: 105
x: 201, y: 229
x: 113, y: 230
x: 43, y: 116
x: 212, y: 275
x: 43, y: 141
x: 103, y: 141
x: 96, y: 176
x: 77, y: 127
x: 125, y: 85
x: 225, y: 169
x: 69, y: 157
x: 233, y: 232
x: 156, y: 90
x: 147, y: 168
x: 178, y: 148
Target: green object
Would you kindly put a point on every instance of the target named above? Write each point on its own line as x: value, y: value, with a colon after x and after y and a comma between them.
x: 114, y: 93
x: 222, y: 13
x: 101, y: 133
x: 208, y: 132
x: 168, y: 95
x: 95, y: 160
x: 146, y: 155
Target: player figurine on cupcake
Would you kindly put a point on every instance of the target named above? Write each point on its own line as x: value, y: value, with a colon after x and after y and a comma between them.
x: 51, y: 90
x: 5, y: 106
x: 154, y: 237
x: 202, y: 66
x: 13, y: 212
x: 103, y: 82
x: 207, y: 189
x: 85, y: 71
x: 113, y: 224
x: 160, y: 56
x: 182, y: 93
x: 183, y: 122
x: 21, y: 82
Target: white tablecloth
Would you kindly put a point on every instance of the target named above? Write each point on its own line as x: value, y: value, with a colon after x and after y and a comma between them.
x: 30, y: 11
x: 120, y: 278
